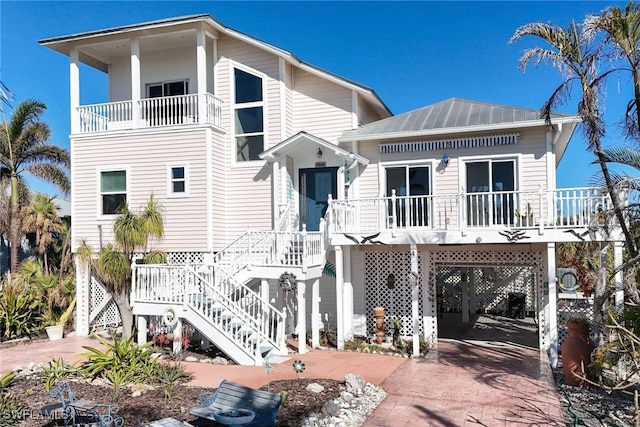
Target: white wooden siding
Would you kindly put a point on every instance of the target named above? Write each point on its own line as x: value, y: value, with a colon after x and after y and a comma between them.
x: 366, y: 114
x: 244, y: 194
x: 145, y: 157
x: 531, y: 170
x: 170, y: 65
x: 321, y: 108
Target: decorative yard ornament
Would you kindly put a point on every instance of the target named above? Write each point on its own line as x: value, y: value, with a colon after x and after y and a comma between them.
x: 287, y: 282
x: 298, y: 367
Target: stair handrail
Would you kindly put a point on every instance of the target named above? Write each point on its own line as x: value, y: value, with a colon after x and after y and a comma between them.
x: 260, y: 315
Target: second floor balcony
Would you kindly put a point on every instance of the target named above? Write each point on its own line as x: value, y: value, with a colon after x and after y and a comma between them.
x: 150, y: 113
x: 563, y: 210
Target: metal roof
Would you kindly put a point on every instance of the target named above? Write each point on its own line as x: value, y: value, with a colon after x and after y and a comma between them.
x: 452, y: 113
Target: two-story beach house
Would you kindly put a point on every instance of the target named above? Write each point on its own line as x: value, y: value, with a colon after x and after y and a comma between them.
x: 274, y: 174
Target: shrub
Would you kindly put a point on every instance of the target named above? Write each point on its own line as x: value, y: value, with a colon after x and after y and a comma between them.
x: 123, y: 362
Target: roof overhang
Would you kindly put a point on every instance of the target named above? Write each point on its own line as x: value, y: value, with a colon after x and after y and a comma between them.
x: 303, y: 143
x: 459, y: 130
x: 563, y: 131
x: 82, y: 41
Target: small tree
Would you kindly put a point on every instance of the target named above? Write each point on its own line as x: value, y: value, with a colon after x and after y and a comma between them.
x: 132, y: 232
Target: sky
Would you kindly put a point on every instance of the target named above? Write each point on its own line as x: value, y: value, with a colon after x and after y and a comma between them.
x: 412, y: 54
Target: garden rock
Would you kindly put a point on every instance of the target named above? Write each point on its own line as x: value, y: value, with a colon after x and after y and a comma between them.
x: 315, y: 388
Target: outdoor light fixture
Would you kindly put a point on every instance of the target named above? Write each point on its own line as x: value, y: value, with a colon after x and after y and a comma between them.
x: 319, y: 153
x: 445, y: 159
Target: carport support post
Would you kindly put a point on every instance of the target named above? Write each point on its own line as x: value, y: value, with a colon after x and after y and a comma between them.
x: 414, y: 300
x: 465, y: 296
x: 617, y: 262
x: 339, y: 302
x: 552, y: 305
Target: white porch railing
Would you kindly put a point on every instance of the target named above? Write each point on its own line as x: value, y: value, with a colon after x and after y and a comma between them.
x: 565, y: 208
x: 206, y: 289
x: 151, y: 112
x: 273, y: 248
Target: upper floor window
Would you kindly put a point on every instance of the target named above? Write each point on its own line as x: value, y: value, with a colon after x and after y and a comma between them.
x: 248, y: 116
x: 412, y: 187
x: 157, y: 90
x: 177, y: 180
x: 493, y: 183
x: 113, y: 191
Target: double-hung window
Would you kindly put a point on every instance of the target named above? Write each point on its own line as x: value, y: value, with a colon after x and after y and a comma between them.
x: 177, y: 180
x: 248, y: 116
x: 113, y: 191
x: 412, y: 189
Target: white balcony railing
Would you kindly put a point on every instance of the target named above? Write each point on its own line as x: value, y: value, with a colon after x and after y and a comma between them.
x: 566, y: 208
x: 150, y: 112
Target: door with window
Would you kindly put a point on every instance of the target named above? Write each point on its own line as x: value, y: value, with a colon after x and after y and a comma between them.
x: 490, y: 196
x: 315, y: 186
x: 412, y: 187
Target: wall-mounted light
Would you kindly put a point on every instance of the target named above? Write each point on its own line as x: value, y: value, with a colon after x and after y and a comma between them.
x: 445, y: 159
x: 319, y: 153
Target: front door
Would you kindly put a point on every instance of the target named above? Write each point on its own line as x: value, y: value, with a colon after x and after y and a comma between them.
x: 315, y: 186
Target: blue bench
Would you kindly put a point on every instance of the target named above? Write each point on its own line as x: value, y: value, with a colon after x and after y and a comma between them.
x: 229, y: 395
x: 75, y: 411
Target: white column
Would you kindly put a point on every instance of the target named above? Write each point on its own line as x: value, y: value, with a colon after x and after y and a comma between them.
x: 275, y: 200
x: 264, y: 289
x: 315, y: 314
x: 83, y: 289
x: 135, y: 82
x: 209, y: 188
x: 415, y: 286
x: 339, y: 298
x: 617, y: 262
x: 302, y: 317
x: 465, y: 296
x: 551, y: 307
x: 74, y: 90
x: 201, y: 66
x: 177, y: 337
x: 347, y: 295
x: 142, y: 329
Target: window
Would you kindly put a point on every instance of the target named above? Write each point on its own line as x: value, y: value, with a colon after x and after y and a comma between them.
x: 177, y: 180
x: 113, y: 191
x: 412, y: 188
x: 493, y: 184
x: 157, y: 90
x: 248, y: 116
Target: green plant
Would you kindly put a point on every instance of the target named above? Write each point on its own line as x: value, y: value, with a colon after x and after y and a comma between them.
x: 7, y: 379
x: 12, y: 411
x: 121, y: 363
x: 155, y: 257
x: 168, y: 375
x: 397, y: 327
x: 56, y: 370
x: 18, y: 311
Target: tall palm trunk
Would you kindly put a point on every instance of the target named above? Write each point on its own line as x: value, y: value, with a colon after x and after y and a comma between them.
x: 126, y: 312
x: 14, y: 227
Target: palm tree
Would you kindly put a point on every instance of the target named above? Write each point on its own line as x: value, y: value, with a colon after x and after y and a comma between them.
x: 24, y: 149
x: 576, y: 56
x: 41, y: 217
x: 622, y: 35
x: 132, y: 232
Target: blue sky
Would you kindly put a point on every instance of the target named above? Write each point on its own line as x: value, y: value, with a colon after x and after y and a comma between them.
x: 412, y: 53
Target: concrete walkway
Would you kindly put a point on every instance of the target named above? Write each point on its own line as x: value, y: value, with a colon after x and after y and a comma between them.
x: 463, y: 383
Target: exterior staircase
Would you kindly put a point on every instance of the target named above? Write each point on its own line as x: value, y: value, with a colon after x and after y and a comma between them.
x: 217, y: 300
